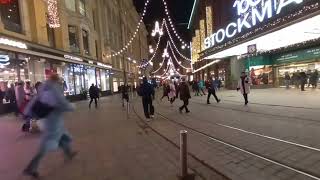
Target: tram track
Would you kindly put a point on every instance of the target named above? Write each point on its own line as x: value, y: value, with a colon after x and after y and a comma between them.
x: 261, y: 156
x: 144, y: 125
x: 258, y: 113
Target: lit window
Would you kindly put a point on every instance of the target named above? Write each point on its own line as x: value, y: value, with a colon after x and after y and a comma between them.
x: 73, y: 39
x: 71, y: 4
x: 82, y: 7
x: 85, y: 39
x: 10, y: 15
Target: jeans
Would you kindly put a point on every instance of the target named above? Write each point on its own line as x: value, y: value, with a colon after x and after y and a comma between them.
x: 185, y: 105
x: 213, y: 92
x: 147, y: 106
x: 95, y: 102
x: 64, y: 144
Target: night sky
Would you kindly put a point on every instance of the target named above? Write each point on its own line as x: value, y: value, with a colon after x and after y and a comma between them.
x: 180, y: 11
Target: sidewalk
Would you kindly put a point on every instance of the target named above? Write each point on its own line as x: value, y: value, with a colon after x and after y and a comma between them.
x: 111, y: 147
x: 276, y: 96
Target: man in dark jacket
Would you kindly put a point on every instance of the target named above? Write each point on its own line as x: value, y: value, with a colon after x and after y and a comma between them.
x: 212, y: 91
x: 94, y: 95
x: 147, y: 93
x: 303, y: 80
x: 184, y: 95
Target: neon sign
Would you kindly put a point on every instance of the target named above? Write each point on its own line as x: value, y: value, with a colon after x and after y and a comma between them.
x: 250, y: 13
x: 4, y: 60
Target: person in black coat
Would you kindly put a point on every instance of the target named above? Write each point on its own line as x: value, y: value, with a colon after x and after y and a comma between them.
x: 94, y: 95
x: 303, y: 80
x: 11, y: 97
x: 147, y: 93
x: 184, y: 95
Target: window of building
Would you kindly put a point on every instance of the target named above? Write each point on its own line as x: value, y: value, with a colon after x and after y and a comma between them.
x: 10, y: 16
x: 82, y: 7
x: 85, y: 39
x: 73, y: 39
x: 51, y: 38
x: 71, y: 5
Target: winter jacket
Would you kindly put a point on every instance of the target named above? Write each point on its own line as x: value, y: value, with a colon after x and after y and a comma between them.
x: 184, y: 91
x: 93, y: 92
x: 146, y: 90
x: 244, y: 85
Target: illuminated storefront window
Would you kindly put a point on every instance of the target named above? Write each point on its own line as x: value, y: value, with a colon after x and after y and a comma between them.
x: 202, y: 34
x: 209, y: 20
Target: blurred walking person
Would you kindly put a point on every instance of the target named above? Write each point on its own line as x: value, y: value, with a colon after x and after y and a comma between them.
x: 172, y: 93
x: 20, y: 96
x: 303, y: 80
x: 146, y: 91
x: 314, y: 79
x: 287, y: 80
x: 11, y: 97
x: 244, y: 86
x: 94, y: 95
x: 166, y: 90
x: 202, y: 86
x: 212, y: 91
x: 54, y: 133
x: 184, y: 95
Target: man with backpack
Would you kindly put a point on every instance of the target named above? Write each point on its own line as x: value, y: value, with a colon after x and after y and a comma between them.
x: 146, y: 91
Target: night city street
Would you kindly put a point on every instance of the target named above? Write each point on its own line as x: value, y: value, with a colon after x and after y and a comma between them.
x: 159, y: 89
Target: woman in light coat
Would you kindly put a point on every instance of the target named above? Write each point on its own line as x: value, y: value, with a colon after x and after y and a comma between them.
x: 244, y: 84
x: 172, y: 93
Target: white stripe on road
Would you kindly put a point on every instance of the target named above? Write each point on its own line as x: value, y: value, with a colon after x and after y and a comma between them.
x: 269, y: 137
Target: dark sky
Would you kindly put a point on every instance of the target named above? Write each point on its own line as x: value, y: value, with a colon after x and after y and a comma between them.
x: 180, y: 11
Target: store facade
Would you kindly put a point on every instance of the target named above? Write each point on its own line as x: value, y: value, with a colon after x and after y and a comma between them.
x: 24, y: 61
x: 266, y: 39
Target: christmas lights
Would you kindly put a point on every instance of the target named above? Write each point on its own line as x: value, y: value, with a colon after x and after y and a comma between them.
x: 157, y: 46
x: 53, y: 15
x: 134, y: 34
x: 184, y: 44
x: 175, y: 57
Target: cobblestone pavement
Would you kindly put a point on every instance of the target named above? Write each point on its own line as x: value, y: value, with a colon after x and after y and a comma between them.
x: 280, y: 125
x: 285, y: 132
x: 111, y: 145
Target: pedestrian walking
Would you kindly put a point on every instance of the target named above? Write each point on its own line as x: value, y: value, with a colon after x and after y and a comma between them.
x: 125, y: 94
x: 20, y: 96
x: 314, y: 79
x: 146, y: 91
x: 11, y: 97
x: 54, y: 133
x: 244, y: 86
x: 212, y: 91
x: 172, y: 93
x: 202, y: 87
x: 303, y: 80
x: 94, y: 95
x: 29, y: 92
x: 184, y: 95
x: 166, y: 90
x: 287, y: 80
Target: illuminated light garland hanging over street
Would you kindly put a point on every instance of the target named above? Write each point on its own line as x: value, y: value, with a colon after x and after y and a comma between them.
x: 175, y: 57
x: 157, y: 46
x: 184, y: 44
x: 134, y: 34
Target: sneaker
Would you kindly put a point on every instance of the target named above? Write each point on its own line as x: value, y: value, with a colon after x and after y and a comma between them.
x: 187, y: 111
x: 218, y: 100
x: 33, y: 174
x: 152, y: 116
x: 208, y: 103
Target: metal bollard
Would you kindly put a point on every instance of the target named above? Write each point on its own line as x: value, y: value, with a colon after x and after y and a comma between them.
x: 183, y: 154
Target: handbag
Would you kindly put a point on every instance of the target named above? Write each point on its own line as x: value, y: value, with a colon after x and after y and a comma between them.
x: 41, y: 110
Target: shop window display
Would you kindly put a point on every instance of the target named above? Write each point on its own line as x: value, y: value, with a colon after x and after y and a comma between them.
x: 79, y: 73
x: 103, y: 85
x: 108, y: 88
x: 261, y: 75
x: 90, y: 76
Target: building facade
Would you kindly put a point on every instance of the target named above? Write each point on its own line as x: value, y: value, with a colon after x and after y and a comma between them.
x: 73, y: 38
x: 265, y: 38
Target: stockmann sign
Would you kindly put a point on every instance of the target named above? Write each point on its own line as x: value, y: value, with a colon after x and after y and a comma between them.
x: 250, y: 13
